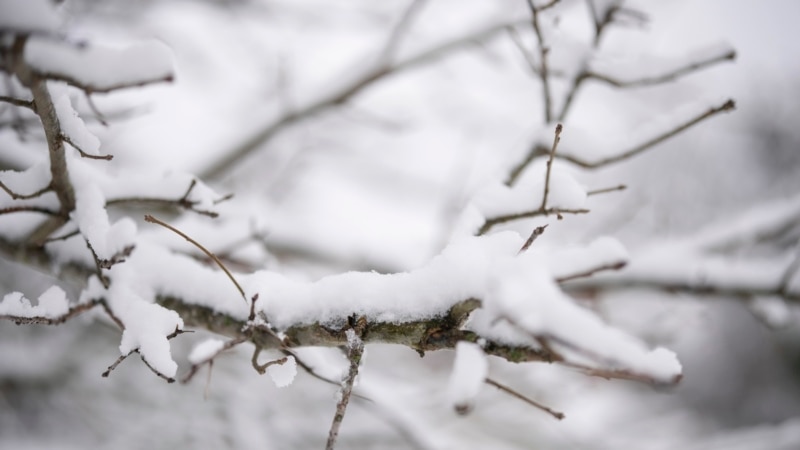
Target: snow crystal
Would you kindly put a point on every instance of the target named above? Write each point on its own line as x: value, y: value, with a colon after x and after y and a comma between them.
x: 469, y: 372
x: 205, y: 350
x: 28, y: 15
x: 97, y: 67
x: 283, y: 374
x: 51, y: 304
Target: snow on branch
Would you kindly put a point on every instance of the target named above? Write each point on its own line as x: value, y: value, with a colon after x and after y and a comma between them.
x: 700, y: 263
x: 95, y: 69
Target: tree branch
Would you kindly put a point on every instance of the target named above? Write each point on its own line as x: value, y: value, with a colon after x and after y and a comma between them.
x: 672, y: 75
x: 343, y: 94
x: 543, y: 50
x: 494, y: 221
x: 355, y: 350
x: 728, y: 106
x: 558, y: 415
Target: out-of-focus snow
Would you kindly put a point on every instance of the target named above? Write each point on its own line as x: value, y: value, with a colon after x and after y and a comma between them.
x: 470, y: 368
x: 107, y: 239
x: 527, y: 297
x: 283, y: 374
x: 98, y: 67
x: 73, y: 127
x: 205, y: 350
x: 51, y: 304
x: 28, y: 15
x: 573, y: 260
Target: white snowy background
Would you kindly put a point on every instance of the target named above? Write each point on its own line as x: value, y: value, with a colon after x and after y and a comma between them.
x: 379, y: 183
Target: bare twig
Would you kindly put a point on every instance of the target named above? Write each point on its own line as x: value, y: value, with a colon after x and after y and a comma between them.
x: 494, y: 221
x: 183, y: 202
x: 538, y: 231
x: 151, y: 219
x: 526, y: 54
x: 83, y: 153
x: 30, y: 208
x: 558, y: 415
x: 17, y: 196
x: 100, y: 116
x: 620, y: 187
x: 90, y: 88
x: 210, y: 360
x: 728, y: 106
x: 399, y: 31
x: 553, y: 149
x: 63, y: 237
x: 262, y: 368
x: 728, y: 55
x: 589, y: 272
x: 355, y: 349
x: 543, y: 50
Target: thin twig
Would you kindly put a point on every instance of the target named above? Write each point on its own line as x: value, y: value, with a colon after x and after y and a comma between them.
x: 90, y: 88
x: 558, y: 415
x: 517, y: 40
x: 17, y: 196
x: 399, y: 31
x: 494, y: 221
x: 30, y: 208
x: 543, y: 73
x: 151, y: 219
x: 672, y: 75
x: 83, y: 153
x: 355, y: 350
x: 620, y: 187
x: 100, y: 117
x: 728, y: 106
x: 227, y: 346
x: 618, y: 265
x: 600, y: 25
x: 552, y: 155
x: 538, y: 231
x: 183, y: 202
x: 63, y: 237
x: 262, y: 368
